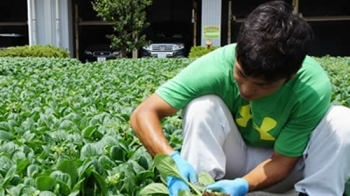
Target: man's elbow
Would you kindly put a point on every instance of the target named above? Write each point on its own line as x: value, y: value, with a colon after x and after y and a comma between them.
x: 138, y: 115
x: 133, y: 119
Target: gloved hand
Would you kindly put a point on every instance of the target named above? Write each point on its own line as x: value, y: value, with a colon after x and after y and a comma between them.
x: 236, y: 187
x: 186, y: 170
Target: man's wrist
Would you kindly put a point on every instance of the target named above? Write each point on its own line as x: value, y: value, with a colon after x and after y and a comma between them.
x: 244, y: 183
x: 175, y: 153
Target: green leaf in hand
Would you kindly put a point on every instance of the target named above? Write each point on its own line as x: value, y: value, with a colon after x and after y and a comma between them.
x: 167, y: 166
x: 205, y: 179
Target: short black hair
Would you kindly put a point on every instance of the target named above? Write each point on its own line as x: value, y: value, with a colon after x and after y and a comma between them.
x: 273, y: 42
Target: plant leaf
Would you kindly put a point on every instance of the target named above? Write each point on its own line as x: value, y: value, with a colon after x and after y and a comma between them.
x: 101, y: 182
x: 167, y: 166
x: 69, y: 167
x: 9, y: 175
x: 205, y: 179
x: 6, y: 136
x: 46, y: 193
x: 154, y: 189
x: 45, y: 183
x: 184, y: 193
x: 62, y: 177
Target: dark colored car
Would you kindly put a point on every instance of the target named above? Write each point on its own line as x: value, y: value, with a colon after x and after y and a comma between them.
x: 100, y: 52
x: 168, y: 40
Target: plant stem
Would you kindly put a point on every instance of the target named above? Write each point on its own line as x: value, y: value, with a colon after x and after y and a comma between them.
x: 193, y: 188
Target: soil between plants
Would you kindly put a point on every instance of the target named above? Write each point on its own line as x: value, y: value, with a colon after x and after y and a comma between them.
x: 214, y: 194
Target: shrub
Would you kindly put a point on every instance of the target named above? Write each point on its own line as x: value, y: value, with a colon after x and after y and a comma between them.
x: 198, y: 51
x: 34, y: 51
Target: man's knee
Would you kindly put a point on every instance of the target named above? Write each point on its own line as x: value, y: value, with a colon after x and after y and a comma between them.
x: 339, y: 119
x: 202, y: 105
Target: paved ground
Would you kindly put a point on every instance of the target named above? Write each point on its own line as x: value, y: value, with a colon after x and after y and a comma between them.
x: 289, y: 193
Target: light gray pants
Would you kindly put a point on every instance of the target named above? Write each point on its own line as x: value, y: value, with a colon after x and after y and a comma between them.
x: 213, y: 144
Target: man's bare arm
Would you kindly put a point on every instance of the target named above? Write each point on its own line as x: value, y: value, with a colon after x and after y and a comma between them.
x: 145, y: 121
x: 270, y: 171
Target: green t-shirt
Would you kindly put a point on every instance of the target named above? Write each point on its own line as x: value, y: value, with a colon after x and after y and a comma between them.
x: 282, y: 120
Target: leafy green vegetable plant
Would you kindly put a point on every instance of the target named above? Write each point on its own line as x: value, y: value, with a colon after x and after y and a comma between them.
x: 167, y: 167
x: 64, y: 125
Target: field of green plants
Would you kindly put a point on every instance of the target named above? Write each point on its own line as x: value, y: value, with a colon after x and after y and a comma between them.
x: 64, y: 125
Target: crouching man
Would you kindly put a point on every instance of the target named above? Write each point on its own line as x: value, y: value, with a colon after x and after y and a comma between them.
x: 256, y: 114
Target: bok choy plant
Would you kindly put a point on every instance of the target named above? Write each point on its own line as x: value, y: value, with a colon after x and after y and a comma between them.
x: 167, y: 167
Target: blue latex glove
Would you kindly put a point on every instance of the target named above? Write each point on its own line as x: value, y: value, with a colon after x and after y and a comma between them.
x: 236, y: 187
x: 186, y: 170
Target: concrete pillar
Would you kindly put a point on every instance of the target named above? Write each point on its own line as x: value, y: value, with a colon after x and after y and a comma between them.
x: 211, y: 22
x: 31, y: 22
x: 50, y: 22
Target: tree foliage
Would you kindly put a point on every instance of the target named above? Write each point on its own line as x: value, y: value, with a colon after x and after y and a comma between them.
x: 128, y: 18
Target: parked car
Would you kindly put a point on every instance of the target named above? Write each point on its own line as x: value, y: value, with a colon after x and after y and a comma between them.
x: 100, y: 52
x: 168, y: 40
